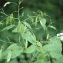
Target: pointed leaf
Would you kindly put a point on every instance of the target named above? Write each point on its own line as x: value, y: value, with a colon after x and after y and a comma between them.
x: 43, y: 23
x: 8, y: 27
x: 28, y: 36
x: 52, y: 27
x: 26, y: 24
x: 31, y: 49
x: 6, y: 4
x: 15, y: 30
x: 15, y: 51
x: 9, y: 56
x: 9, y: 19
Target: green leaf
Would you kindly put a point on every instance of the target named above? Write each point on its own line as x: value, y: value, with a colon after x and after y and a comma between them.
x: 40, y: 61
x: 15, y: 30
x: 52, y: 27
x: 54, y: 47
x: 9, y: 56
x: 26, y: 24
x: 43, y: 23
x: 39, y: 44
x: 28, y: 36
x: 60, y: 60
x: 1, y: 23
x: 15, y: 51
x: 41, y: 13
x: 9, y: 19
x: 36, y: 21
x: 0, y: 54
x: 30, y: 49
x: 8, y: 27
x: 55, y: 55
x: 6, y: 4
x: 20, y: 27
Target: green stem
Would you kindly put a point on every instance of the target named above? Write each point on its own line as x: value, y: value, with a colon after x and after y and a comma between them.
x: 47, y: 32
x: 19, y: 38
x: 18, y: 18
x: 18, y: 11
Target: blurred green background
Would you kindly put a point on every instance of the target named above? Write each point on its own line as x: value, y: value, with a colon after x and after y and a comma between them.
x: 53, y: 8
